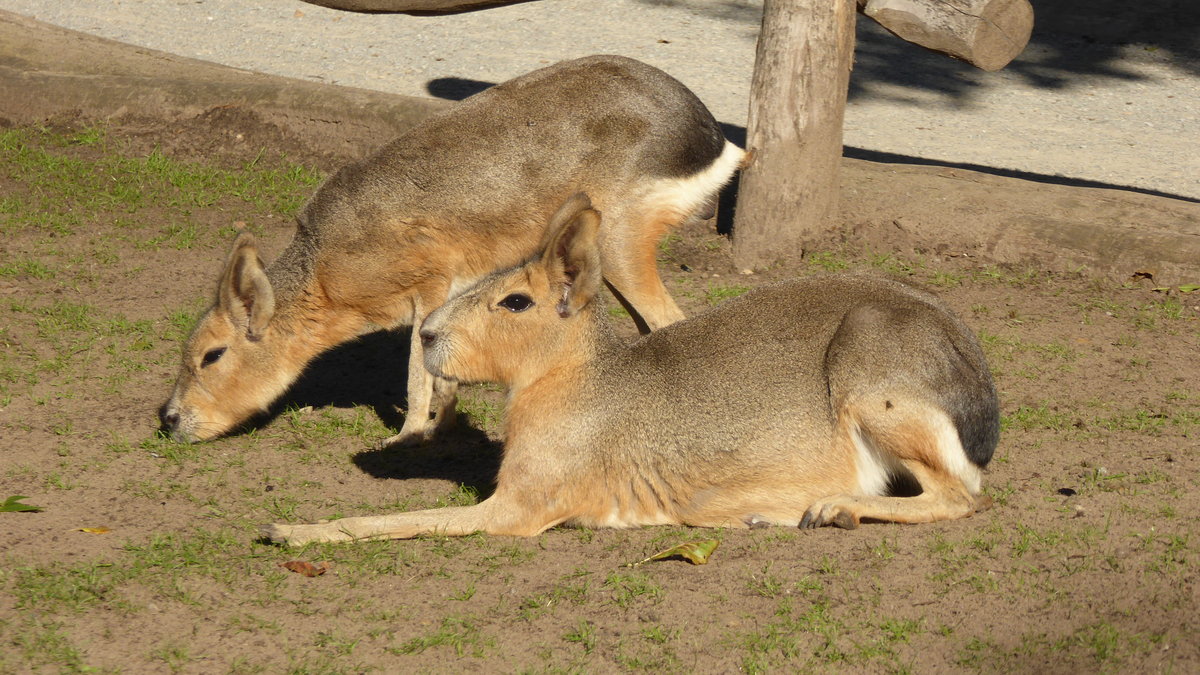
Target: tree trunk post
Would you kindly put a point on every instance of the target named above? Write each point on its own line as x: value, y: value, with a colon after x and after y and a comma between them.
x: 789, y: 189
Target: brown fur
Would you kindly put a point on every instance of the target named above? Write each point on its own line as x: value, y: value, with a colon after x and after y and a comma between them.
x: 385, y: 241
x: 796, y: 404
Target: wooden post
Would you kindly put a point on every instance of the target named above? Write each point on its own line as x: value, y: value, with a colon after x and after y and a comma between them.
x: 789, y: 189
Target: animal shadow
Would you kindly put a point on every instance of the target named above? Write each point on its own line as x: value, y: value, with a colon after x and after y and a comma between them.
x: 372, y: 371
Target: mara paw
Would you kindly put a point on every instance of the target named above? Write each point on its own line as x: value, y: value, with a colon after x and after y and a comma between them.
x: 299, y: 535
x: 407, y: 438
x: 832, y: 511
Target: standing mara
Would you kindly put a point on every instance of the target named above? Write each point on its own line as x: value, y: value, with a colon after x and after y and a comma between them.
x: 387, y: 240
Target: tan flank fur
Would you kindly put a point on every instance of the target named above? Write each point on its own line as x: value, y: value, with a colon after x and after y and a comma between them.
x: 819, y: 401
x: 385, y: 241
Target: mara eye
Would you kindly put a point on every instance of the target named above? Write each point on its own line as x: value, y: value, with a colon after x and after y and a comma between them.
x: 516, y: 302
x: 211, y: 356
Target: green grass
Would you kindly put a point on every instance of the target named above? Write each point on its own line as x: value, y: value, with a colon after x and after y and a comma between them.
x: 1040, y: 418
x: 460, y: 634
x: 482, y: 411
x: 629, y: 589
x: 329, y: 423
x: 827, y: 261
x: 584, y: 635
x: 167, y: 564
x: 26, y: 267
x: 718, y: 293
x: 1052, y: 417
x: 1007, y: 347
x: 113, y: 182
x: 82, y: 211
x: 79, y: 378
x: 43, y: 642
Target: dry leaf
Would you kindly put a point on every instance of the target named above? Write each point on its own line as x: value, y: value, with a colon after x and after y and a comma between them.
x: 306, y: 568
x: 94, y: 530
x: 695, y: 552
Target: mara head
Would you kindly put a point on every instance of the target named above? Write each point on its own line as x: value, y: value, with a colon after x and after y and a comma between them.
x: 513, y: 323
x: 234, y: 361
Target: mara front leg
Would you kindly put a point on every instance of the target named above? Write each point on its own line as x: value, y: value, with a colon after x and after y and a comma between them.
x: 492, y: 516
x: 431, y: 400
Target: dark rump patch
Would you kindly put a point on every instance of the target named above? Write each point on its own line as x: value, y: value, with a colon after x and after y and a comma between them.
x: 977, y: 420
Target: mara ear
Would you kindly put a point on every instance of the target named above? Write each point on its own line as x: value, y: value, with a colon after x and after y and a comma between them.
x: 244, y: 291
x: 570, y: 254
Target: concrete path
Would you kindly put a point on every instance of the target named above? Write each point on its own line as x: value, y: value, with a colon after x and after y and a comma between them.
x: 1108, y: 94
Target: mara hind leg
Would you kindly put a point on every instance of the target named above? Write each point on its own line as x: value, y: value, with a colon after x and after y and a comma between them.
x: 630, y: 260
x: 634, y: 227
x: 900, y: 438
x: 913, y: 400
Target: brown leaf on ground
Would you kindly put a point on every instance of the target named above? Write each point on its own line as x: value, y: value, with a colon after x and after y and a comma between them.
x: 306, y: 568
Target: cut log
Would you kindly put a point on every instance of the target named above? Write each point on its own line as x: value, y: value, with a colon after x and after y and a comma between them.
x: 988, y: 34
x: 789, y: 189
x: 412, y: 6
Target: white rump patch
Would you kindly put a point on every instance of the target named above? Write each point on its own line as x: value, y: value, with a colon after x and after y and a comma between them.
x: 954, y: 458
x: 874, y: 468
x: 686, y: 195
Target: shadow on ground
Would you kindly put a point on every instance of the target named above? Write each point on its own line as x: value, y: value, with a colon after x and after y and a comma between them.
x: 372, y: 371
x: 1071, y: 38
x: 458, y: 88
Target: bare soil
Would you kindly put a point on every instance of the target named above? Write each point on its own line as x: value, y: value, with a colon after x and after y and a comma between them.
x: 1088, y: 561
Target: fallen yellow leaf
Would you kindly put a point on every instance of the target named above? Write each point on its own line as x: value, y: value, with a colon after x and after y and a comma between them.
x: 695, y: 552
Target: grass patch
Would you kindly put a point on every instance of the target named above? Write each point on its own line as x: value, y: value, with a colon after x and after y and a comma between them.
x: 460, y: 634
x: 718, y: 293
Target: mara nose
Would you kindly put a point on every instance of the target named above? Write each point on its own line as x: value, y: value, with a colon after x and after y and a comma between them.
x: 427, y: 337
x: 169, y: 418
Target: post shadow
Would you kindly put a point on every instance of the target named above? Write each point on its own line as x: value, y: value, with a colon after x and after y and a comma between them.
x: 455, y: 88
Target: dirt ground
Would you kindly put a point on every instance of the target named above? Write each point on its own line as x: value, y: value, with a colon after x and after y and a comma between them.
x: 110, y: 242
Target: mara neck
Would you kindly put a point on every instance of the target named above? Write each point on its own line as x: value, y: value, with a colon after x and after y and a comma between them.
x: 587, y: 342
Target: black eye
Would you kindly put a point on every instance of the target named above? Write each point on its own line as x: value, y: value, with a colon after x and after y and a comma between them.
x: 516, y: 302
x: 211, y: 356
